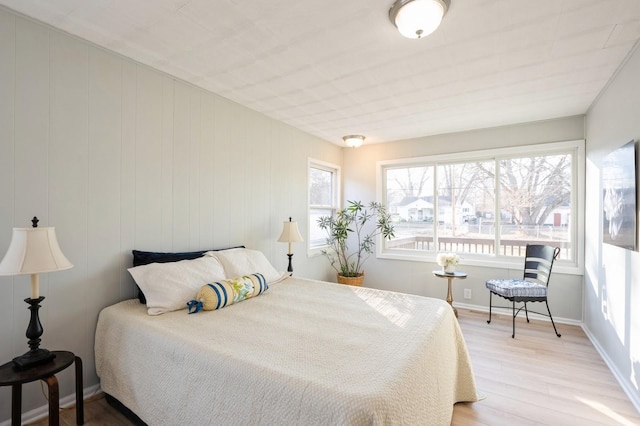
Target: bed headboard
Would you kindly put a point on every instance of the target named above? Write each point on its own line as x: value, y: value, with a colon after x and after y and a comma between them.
x: 146, y: 257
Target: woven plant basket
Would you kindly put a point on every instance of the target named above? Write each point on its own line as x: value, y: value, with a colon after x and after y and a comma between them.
x: 357, y: 281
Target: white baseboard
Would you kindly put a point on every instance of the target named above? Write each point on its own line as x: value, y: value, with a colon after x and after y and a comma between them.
x: 507, y: 311
x: 43, y: 411
x: 626, y: 387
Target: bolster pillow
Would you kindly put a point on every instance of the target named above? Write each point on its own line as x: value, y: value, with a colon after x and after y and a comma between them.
x: 223, y: 293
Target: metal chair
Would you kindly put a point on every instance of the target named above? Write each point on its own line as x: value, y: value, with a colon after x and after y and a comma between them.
x: 532, y: 288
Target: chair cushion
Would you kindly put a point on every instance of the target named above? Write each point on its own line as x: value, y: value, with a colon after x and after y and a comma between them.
x: 516, y: 288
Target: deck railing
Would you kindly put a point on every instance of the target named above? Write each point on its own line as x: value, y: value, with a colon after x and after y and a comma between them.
x: 507, y: 247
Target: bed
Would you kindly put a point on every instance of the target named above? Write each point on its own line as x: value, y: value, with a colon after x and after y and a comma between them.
x: 304, y: 352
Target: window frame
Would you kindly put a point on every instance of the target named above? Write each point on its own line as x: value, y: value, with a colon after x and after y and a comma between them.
x: 337, y: 184
x: 575, y: 147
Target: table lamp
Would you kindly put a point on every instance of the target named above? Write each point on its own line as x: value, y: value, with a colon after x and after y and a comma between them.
x: 33, y: 251
x: 290, y: 234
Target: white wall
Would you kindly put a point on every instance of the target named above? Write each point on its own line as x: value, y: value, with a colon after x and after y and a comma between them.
x: 612, y: 276
x: 415, y: 277
x: 118, y: 156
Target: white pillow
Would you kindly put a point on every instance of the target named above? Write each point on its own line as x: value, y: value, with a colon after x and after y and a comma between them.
x: 242, y: 261
x: 169, y: 286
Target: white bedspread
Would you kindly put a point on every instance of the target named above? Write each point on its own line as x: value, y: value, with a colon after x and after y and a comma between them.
x: 303, y: 353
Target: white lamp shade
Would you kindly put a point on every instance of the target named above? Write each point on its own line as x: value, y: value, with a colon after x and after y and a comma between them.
x: 419, y: 18
x: 290, y: 233
x: 33, y: 251
x: 353, y: 141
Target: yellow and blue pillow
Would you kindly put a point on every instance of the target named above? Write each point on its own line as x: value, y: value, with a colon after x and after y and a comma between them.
x: 223, y: 293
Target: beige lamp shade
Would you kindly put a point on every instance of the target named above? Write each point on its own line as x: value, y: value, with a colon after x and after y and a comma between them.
x: 290, y: 233
x: 33, y: 251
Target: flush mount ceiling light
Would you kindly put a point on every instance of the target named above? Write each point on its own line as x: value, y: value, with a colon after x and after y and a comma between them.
x: 353, y: 141
x: 417, y: 18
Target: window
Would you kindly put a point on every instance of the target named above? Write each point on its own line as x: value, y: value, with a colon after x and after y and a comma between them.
x: 486, y: 205
x: 324, y: 196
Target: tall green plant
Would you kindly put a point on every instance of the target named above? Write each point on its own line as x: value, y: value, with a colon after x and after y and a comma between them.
x: 357, y: 220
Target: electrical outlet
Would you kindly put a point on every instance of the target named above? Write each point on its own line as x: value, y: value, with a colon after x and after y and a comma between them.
x: 467, y: 293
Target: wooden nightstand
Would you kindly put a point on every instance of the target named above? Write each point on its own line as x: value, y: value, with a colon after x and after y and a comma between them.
x: 46, y: 372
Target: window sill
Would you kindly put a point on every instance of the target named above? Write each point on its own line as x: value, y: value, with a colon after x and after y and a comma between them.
x: 560, y: 267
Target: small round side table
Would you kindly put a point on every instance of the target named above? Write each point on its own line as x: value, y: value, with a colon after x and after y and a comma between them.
x: 450, y: 276
x: 9, y: 376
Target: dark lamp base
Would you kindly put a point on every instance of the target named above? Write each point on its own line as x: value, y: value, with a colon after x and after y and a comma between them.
x: 290, y: 267
x: 36, y: 355
x: 33, y: 358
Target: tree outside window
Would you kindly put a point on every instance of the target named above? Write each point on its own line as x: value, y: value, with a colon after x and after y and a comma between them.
x: 485, y: 206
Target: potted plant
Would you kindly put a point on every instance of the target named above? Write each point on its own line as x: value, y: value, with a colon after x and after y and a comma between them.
x: 363, y: 224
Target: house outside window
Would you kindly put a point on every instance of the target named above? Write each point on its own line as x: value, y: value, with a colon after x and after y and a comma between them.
x: 486, y: 205
x: 324, y: 196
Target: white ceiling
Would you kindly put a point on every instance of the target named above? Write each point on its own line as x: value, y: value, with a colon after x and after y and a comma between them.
x: 338, y: 67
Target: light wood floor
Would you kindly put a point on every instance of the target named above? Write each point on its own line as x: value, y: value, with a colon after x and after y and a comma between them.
x: 538, y: 378
x: 534, y: 379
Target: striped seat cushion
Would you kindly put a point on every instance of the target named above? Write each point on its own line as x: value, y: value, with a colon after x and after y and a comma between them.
x: 516, y: 288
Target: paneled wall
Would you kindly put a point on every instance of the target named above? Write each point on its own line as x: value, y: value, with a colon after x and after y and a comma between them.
x: 118, y: 156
